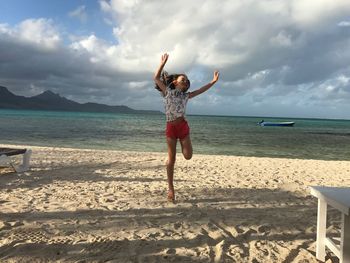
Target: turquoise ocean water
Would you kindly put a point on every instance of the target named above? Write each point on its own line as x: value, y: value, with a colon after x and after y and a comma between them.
x: 308, y: 139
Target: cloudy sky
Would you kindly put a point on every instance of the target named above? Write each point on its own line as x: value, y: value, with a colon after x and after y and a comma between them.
x: 286, y: 58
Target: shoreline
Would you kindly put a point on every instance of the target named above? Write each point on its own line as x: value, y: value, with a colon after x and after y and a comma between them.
x: 103, y: 205
x: 163, y: 152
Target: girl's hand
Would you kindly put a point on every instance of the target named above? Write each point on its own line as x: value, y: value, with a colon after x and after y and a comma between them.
x: 216, y: 76
x: 164, y: 58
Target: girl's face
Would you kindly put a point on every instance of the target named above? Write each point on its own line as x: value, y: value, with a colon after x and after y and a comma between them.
x: 182, y: 82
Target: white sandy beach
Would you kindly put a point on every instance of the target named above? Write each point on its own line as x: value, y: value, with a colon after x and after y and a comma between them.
x: 110, y: 206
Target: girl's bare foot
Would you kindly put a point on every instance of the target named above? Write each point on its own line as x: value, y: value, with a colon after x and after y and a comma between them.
x: 171, y: 195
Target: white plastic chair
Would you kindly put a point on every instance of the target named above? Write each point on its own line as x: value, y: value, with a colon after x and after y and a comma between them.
x: 5, y: 158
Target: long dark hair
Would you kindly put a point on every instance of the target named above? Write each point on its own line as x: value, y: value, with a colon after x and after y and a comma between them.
x: 168, y: 80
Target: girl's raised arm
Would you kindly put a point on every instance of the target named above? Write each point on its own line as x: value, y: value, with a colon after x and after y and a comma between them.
x: 156, y: 77
x: 206, y: 87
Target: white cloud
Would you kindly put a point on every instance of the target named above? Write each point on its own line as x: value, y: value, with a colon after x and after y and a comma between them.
x: 104, y: 6
x: 342, y: 79
x: 5, y: 29
x: 313, y: 12
x: 124, y: 6
x: 269, y: 52
x: 213, y: 35
x: 344, y: 24
x: 282, y: 39
x: 80, y: 13
x: 91, y: 44
x: 138, y: 84
x: 36, y: 31
x: 40, y: 31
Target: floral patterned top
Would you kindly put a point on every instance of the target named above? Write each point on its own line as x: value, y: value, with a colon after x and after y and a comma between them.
x: 175, y: 103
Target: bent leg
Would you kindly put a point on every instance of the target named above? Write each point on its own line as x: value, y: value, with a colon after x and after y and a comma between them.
x: 186, y: 146
x: 170, y: 166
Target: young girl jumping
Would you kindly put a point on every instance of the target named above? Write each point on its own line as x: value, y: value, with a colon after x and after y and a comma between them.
x: 174, y: 90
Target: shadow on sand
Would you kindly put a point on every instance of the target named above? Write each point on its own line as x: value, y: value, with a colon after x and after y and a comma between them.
x: 205, y: 225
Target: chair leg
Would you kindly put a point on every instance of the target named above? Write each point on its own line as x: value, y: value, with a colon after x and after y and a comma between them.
x: 321, y: 230
x: 26, y: 158
x: 345, y: 239
x: 25, y: 162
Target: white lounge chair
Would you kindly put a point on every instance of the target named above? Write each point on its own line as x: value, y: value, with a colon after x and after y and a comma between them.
x: 338, y: 198
x: 5, y: 158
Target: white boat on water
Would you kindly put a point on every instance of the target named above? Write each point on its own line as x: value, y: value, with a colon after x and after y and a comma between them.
x: 284, y: 123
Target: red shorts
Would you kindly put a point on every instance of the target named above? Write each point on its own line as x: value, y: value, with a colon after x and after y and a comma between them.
x: 177, y: 131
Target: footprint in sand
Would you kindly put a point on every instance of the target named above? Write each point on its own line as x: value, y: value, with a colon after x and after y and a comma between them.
x: 171, y: 251
x: 100, y: 244
x: 38, y: 236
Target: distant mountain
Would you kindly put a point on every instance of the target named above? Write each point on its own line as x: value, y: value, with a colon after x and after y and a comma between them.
x: 52, y: 101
